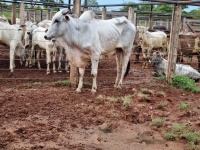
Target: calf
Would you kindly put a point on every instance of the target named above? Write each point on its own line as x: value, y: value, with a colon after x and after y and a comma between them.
x: 10, y: 35
x: 51, y: 47
x: 150, y: 41
x: 160, y: 65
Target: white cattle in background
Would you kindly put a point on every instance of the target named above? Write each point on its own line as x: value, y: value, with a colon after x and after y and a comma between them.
x: 150, y: 41
x: 10, y: 35
x: 4, y: 19
x: 86, y: 41
x: 51, y: 47
x: 160, y: 65
x: 45, y: 23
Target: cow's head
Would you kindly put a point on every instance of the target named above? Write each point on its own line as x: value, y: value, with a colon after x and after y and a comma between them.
x: 58, y: 25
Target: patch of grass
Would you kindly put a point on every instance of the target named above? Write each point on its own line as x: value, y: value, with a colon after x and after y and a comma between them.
x: 147, y: 91
x: 61, y: 82
x: 192, y: 146
x: 178, y: 127
x: 162, y: 78
x: 161, y: 94
x: 113, y: 99
x: 191, y: 136
x: 158, y: 122
x: 27, y: 85
x: 161, y: 106
x: 37, y: 83
x: 144, y: 96
x: 170, y: 136
x: 127, y: 100
x: 185, y: 83
x: 183, y: 106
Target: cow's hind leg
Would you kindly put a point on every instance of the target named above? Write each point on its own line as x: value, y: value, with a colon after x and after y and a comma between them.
x: 119, y: 54
x: 80, y: 84
x: 95, y: 62
x: 125, y: 60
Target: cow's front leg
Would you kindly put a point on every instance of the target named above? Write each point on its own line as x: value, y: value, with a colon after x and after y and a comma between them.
x: 54, y: 64
x: 48, y: 59
x: 95, y: 62
x: 12, y: 64
x: 80, y: 84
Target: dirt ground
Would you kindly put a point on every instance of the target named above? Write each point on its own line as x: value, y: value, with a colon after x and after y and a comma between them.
x: 38, y: 111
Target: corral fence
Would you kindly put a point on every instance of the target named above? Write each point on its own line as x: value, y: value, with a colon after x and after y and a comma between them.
x: 149, y: 19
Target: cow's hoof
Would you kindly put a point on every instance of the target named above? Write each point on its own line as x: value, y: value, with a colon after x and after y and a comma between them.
x: 78, y: 90
x: 48, y: 73
x: 54, y: 71
x: 93, y: 91
x: 60, y: 71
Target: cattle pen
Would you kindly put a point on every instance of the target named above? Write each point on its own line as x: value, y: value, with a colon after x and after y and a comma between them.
x: 42, y: 111
x: 36, y: 15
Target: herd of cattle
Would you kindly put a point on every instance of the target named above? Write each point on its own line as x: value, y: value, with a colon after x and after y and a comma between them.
x: 83, y: 40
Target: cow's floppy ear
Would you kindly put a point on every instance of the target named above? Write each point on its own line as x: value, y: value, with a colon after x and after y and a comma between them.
x: 67, y: 18
x: 64, y: 12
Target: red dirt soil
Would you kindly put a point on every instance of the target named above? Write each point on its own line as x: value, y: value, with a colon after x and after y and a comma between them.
x: 38, y: 112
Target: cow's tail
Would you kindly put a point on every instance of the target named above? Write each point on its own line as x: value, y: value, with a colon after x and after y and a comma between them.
x: 127, y: 68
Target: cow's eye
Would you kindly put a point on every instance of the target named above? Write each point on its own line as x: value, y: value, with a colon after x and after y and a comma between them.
x: 57, y: 21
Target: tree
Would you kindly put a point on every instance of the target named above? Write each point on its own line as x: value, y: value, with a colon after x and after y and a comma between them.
x: 195, y: 13
x: 126, y: 8
x: 93, y: 2
x: 167, y: 8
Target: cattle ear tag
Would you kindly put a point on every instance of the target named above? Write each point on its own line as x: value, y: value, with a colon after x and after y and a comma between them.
x: 67, y: 18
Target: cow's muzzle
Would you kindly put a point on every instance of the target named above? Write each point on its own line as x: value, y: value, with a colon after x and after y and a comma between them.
x: 47, y: 38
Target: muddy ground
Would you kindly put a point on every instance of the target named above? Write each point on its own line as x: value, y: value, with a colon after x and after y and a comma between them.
x: 39, y: 111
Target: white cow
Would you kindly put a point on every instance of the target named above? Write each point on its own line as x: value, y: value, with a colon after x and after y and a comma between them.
x: 10, y: 35
x: 151, y: 40
x: 85, y: 42
x: 160, y: 65
x: 4, y: 19
x: 45, y: 23
x: 49, y: 46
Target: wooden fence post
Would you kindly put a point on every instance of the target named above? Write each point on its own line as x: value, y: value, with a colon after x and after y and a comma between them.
x: 73, y: 69
x: 41, y: 15
x: 22, y: 18
x: 48, y: 14
x: 131, y: 14
x: 13, y: 19
x: 150, y: 17
x: 174, y: 38
x: 104, y: 17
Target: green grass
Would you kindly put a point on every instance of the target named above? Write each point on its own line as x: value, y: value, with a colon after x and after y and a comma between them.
x: 185, y: 83
x: 170, y: 136
x: 181, y: 131
x: 183, y: 106
x: 161, y: 106
x: 178, y: 127
x: 158, y: 122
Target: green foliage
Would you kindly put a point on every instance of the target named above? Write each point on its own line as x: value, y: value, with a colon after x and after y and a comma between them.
x: 160, y: 106
x: 158, y: 122
x: 191, y: 136
x: 184, y: 82
x: 93, y: 2
x: 170, y: 136
x: 178, y: 127
x: 183, y: 106
x: 195, y: 13
x: 162, y: 78
x: 192, y: 146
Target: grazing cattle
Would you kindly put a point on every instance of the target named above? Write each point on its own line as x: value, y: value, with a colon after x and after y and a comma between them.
x: 10, y: 35
x: 160, y: 65
x: 51, y: 47
x: 150, y: 41
x: 85, y: 42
